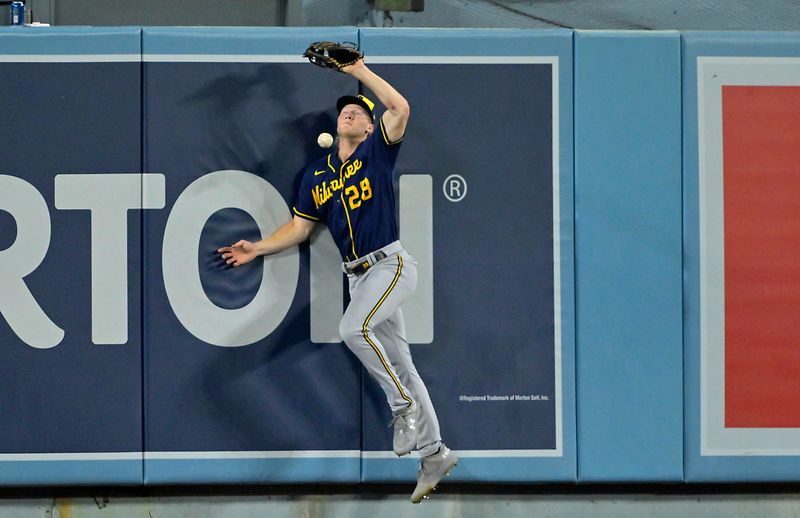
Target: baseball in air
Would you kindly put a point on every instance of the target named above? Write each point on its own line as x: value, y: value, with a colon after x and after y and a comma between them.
x: 325, y: 140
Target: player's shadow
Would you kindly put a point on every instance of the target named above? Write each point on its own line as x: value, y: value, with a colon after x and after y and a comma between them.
x: 295, y: 404
x: 234, y: 89
x: 278, y: 393
x: 247, y: 110
x: 284, y: 391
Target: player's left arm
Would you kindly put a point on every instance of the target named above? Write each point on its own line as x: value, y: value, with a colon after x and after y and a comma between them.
x: 397, y: 111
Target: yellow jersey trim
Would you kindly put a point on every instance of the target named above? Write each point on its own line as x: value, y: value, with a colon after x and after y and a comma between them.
x: 372, y: 344
x: 344, y: 205
x: 386, y: 138
x: 306, y: 216
x: 329, y: 163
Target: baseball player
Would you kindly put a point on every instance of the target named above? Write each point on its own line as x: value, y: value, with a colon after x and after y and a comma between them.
x: 351, y: 191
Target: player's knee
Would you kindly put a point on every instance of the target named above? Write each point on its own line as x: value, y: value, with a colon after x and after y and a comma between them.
x: 350, y: 331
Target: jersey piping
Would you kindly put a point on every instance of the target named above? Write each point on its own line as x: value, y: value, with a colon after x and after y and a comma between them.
x: 306, y: 216
x: 344, y: 206
x: 385, y: 137
x: 329, y: 163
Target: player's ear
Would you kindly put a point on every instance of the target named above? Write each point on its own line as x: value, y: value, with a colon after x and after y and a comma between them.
x: 370, y: 128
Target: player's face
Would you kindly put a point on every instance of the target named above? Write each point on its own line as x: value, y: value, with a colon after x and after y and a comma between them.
x: 353, y: 122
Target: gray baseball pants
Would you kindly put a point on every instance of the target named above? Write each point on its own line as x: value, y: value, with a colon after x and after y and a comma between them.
x: 373, y: 328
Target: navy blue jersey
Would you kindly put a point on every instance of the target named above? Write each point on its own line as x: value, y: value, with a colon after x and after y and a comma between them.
x: 355, y: 199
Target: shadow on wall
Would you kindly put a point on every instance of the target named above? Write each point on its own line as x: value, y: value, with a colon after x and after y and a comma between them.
x: 258, y: 122
x: 239, y: 131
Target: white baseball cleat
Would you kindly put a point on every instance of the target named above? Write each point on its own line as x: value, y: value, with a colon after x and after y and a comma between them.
x: 405, y: 430
x: 431, y: 470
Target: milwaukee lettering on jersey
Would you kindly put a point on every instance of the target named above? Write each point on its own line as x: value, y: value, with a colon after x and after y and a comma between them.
x: 323, y: 192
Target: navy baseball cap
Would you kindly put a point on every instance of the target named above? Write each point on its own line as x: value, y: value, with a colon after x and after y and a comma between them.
x: 359, y: 100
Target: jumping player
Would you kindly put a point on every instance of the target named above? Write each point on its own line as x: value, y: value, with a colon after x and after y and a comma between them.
x: 351, y: 191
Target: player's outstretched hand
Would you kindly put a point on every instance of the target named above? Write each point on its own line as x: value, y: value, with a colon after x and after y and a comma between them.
x: 239, y: 253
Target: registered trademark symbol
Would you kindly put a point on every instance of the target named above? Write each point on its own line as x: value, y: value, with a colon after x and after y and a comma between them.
x: 454, y: 188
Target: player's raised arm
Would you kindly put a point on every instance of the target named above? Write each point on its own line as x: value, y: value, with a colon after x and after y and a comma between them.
x: 397, y: 109
x: 294, y: 232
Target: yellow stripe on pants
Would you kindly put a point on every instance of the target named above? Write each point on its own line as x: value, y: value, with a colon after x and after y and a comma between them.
x: 366, y: 334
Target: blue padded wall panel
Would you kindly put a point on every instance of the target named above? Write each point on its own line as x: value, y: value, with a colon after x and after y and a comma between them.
x: 494, y: 107
x: 712, y: 61
x: 71, y: 398
x: 628, y: 256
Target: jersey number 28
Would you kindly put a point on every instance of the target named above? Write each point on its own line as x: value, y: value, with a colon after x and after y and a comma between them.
x: 354, y: 197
